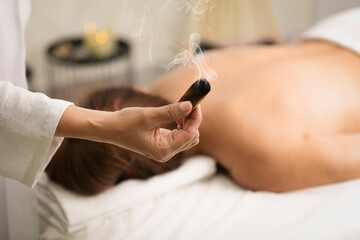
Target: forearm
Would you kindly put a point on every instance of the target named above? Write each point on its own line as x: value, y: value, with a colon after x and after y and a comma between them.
x: 77, y: 122
x: 136, y: 129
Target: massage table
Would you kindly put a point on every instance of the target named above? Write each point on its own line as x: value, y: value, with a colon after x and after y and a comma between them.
x: 196, y: 202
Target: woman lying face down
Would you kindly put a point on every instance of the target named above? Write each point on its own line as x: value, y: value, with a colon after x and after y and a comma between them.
x: 278, y: 118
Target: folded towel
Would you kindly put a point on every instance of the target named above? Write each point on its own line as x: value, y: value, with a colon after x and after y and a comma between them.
x: 69, y: 212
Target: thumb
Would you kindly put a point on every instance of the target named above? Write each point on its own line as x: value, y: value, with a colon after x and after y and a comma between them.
x: 172, y: 112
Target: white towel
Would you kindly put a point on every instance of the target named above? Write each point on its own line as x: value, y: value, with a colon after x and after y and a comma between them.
x: 342, y: 29
x: 69, y: 212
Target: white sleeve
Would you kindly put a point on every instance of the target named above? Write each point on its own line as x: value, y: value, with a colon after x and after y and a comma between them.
x: 28, y: 123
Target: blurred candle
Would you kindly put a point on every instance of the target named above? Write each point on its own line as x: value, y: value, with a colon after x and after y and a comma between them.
x: 89, y: 31
x: 99, y: 42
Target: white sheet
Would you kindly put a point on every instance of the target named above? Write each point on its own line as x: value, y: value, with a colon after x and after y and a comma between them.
x: 341, y: 29
x: 210, y: 207
x: 69, y: 212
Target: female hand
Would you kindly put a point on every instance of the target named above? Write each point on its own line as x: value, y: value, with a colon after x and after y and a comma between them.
x: 136, y: 129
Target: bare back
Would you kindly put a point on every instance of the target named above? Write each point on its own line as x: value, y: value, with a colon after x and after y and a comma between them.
x: 267, y: 101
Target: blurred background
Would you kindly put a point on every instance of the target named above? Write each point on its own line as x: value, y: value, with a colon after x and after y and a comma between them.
x: 74, y: 47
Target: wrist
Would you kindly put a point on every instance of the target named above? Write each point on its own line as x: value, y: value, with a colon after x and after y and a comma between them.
x: 77, y: 122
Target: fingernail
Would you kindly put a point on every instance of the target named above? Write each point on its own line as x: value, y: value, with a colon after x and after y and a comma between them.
x: 185, y: 106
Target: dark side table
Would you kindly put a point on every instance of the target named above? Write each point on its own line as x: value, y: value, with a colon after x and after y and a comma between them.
x: 73, y: 71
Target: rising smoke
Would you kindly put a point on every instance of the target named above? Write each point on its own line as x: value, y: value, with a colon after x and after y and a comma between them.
x: 142, y: 24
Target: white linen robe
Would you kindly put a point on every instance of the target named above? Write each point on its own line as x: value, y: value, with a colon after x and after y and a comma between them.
x: 27, y: 125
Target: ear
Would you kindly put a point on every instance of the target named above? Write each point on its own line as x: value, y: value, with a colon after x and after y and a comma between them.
x: 142, y: 90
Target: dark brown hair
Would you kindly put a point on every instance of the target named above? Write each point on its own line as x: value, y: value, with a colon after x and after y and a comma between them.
x: 89, y: 167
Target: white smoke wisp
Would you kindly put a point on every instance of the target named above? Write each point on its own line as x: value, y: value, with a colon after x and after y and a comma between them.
x: 193, y: 57
x: 197, y: 8
x: 144, y: 29
x: 141, y: 24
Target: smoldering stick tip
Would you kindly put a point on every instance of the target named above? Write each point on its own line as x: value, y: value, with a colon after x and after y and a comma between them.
x: 197, y: 91
x: 204, y: 85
